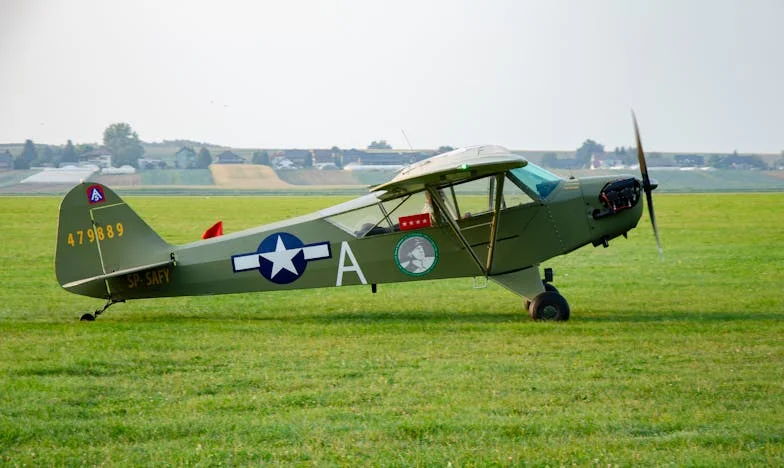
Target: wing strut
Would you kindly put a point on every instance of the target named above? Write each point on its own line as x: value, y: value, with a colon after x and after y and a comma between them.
x: 499, y: 193
x: 435, y: 197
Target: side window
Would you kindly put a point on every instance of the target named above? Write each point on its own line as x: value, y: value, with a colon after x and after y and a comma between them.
x: 417, y: 204
x: 474, y: 197
x: 462, y: 201
x: 478, y: 196
x: 514, y: 195
x: 537, y: 180
x: 384, y: 217
x: 364, y: 221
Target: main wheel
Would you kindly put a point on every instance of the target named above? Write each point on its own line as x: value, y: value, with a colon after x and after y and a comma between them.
x: 547, y: 287
x: 549, y: 305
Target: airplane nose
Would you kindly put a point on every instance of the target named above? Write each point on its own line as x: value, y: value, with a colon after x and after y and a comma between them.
x: 618, y: 195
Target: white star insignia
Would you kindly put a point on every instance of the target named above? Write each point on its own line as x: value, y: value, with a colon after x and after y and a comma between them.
x: 281, y: 258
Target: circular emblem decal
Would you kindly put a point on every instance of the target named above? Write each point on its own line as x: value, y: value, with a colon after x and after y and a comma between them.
x: 281, y: 257
x: 416, y: 254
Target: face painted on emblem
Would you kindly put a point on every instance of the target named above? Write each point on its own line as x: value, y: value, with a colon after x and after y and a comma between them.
x: 281, y: 257
x: 416, y: 254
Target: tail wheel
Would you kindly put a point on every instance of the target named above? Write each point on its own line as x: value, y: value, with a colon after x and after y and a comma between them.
x: 549, y: 305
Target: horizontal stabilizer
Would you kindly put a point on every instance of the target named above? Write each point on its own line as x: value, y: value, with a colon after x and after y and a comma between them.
x: 115, y: 274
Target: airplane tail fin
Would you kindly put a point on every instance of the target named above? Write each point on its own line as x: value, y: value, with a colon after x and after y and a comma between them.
x: 100, y: 237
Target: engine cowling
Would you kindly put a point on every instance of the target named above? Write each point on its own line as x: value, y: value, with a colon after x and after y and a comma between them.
x: 618, y: 195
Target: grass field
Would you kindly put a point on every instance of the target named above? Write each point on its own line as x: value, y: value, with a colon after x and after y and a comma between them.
x: 246, y: 176
x: 177, y: 177
x: 698, y: 181
x: 318, y: 177
x: 679, y: 361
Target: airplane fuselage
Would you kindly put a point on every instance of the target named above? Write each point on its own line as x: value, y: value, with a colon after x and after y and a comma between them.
x: 312, y: 252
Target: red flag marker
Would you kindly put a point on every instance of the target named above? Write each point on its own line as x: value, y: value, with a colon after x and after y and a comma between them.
x: 215, y: 231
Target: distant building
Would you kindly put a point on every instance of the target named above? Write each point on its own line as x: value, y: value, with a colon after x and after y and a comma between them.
x: 689, y: 160
x: 657, y: 160
x: 185, y: 158
x: 6, y: 161
x: 100, y: 157
x: 562, y: 163
x: 381, y: 157
x: 352, y: 155
x: 323, y: 156
x: 281, y: 163
x: 605, y: 161
x: 122, y: 170
x: 296, y: 156
x: 228, y: 157
x: 386, y: 158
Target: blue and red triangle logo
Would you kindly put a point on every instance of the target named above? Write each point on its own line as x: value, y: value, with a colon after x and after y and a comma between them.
x: 95, y: 194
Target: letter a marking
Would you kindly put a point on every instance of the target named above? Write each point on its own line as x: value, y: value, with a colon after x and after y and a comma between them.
x: 345, y: 250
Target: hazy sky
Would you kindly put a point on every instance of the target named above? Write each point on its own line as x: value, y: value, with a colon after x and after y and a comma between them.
x: 702, y: 75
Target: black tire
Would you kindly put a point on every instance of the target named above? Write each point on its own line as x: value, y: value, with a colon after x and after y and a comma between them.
x: 549, y: 305
x: 547, y: 287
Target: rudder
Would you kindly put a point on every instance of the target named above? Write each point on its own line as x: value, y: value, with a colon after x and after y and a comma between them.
x: 99, y: 235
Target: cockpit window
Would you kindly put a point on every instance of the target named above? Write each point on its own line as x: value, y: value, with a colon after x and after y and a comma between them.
x: 536, y: 179
x: 514, y: 195
x: 368, y: 216
x: 363, y: 221
x: 384, y: 217
x: 477, y: 197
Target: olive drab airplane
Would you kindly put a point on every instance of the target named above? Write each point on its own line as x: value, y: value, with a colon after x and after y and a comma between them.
x: 474, y: 212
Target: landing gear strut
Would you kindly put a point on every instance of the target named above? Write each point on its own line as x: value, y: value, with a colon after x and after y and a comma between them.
x: 88, y: 317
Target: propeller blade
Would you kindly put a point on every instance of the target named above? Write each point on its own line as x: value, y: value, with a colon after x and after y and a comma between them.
x: 649, y: 198
x: 646, y: 182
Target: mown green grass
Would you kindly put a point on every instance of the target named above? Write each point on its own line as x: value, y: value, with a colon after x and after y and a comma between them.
x: 663, y: 362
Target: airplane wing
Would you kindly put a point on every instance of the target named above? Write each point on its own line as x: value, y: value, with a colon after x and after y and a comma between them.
x: 451, y: 167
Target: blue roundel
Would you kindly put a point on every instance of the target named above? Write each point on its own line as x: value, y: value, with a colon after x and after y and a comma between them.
x: 281, y: 258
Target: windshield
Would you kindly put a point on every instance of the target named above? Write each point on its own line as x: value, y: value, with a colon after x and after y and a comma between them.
x: 538, y: 180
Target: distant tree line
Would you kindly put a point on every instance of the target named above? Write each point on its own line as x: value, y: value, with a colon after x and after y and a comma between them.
x: 736, y: 161
x: 380, y: 144
x: 124, y: 144
x: 46, y: 155
x: 119, y: 139
x: 591, y: 149
x: 126, y: 149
